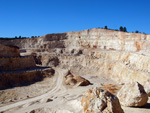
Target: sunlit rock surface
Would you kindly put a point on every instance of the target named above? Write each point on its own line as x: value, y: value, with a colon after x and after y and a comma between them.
x: 98, y: 56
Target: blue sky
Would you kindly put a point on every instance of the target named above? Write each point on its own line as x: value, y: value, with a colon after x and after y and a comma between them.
x: 40, y: 17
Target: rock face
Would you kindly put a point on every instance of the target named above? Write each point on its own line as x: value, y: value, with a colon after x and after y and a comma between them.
x: 16, y: 70
x: 10, y: 59
x: 76, y: 80
x: 15, y: 63
x: 119, y: 55
x: 133, y: 95
x: 50, y: 61
x: 22, y: 78
x: 97, y: 100
x: 11, y: 51
x: 147, y: 87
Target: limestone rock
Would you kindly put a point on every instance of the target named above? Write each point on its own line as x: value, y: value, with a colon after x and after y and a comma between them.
x: 9, y: 80
x: 49, y: 61
x: 147, y: 87
x: 132, y: 94
x: 11, y: 51
x: 97, y: 100
x: 76, y: 80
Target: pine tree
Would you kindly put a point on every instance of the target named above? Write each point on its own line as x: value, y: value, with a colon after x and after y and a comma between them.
x: 125, y: 29
x: 121, y: 28
x: 136, y: 31
x: 106, y: 27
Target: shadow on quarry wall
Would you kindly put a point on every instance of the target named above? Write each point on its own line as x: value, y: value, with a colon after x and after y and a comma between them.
x: 16, y: 63
x: 37, y: 58
x: 46, y: 60
x: 24, y: 78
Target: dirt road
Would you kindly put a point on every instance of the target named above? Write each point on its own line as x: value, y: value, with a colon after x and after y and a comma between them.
x: 59, y: 80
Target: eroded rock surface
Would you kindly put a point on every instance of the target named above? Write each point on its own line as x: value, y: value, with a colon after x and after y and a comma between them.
x: 132, y: 94
x: 146, y: 86
x: 112, y: 53
x: 97, y: 100
x: 76, y: 80
x: 11, y: 51
x: 96, y: 54
x: 16, y: 70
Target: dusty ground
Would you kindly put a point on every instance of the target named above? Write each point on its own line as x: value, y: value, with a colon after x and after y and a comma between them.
x: 15, y: 94
x: 145, y: 109
x: 62, y: 98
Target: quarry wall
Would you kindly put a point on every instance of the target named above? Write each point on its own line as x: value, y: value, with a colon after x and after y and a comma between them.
x: 92, y: 38
x: 16, y: 63
x: 119, y: 55
x: 22, y: 78
x: 11, y: 51
x: 117, y: 68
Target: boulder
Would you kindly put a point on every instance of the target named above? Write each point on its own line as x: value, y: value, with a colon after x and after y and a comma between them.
x: 132, y: 95
x: 147, y: 87
x: 97, y: 100
x: 76, y: 80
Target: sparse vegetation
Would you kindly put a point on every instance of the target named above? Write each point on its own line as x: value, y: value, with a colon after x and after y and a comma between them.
x: 121, y: 28
x: 20, y: 37
x: 125, y: 29
x: 106, y: 27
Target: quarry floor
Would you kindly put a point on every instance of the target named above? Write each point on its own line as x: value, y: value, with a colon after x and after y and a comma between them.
x: 52, y: 93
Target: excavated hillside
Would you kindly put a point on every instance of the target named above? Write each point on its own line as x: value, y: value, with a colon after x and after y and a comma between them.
x: 95, y: 56
x: 119, y: 55
x: 16, y: 70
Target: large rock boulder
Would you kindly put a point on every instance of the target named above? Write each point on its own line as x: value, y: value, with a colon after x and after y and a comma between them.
x: 97, y: 100
x: 146, y: 86
x: 76, y: 80
x: 133, y: 95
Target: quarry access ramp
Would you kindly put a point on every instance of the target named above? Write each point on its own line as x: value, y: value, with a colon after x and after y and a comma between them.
x: 58, y: 78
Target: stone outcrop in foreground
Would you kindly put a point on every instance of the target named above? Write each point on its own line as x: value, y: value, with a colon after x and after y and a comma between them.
x: 146, y: 86
x: 97, y: 100
x: 132, y: 95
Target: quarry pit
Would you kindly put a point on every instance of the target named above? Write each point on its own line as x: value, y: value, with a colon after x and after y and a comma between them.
x: 51, y: 73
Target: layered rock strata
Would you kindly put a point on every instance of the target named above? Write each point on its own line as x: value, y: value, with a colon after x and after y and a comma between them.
x: 119, y: 55
x: 11, y: 51
x: 16, y: 70
x: 17, y: 63
x: 23, y: 78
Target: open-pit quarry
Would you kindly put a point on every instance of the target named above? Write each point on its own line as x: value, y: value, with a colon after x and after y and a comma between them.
x: 73, y: 72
